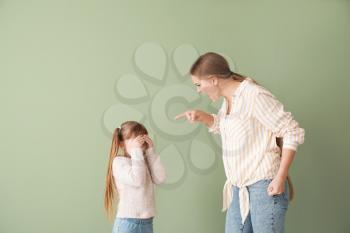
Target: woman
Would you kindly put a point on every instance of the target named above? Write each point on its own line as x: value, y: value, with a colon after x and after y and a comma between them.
x: 256, y: 193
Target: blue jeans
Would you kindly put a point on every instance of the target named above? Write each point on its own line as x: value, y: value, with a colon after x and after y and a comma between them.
x: 133, y: 225
x: 266, y: 213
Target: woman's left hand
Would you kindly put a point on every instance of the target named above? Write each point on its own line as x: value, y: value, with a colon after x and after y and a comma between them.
x: 276, y: 186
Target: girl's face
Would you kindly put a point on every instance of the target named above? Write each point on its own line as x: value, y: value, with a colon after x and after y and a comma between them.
x: 207, y: 86
x: 126, y: 142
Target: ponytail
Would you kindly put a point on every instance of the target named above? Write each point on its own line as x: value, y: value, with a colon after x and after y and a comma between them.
x: 239, y: 77
x: 110, y: 190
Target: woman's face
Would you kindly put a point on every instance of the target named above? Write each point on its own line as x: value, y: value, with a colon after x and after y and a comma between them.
x: 208, y: 86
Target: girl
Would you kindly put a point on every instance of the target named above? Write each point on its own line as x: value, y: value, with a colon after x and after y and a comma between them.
x: 257, y: 192
x: 130, y: 178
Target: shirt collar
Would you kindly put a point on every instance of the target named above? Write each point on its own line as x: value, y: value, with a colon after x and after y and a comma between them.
x: 241, y: 87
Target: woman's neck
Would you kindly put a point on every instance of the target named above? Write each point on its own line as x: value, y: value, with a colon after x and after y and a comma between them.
x: 228, y: 87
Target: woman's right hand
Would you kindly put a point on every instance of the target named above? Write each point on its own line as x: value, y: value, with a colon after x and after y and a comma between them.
x: 193, y: 116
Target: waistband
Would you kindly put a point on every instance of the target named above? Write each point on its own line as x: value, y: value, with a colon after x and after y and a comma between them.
x: 137, y: 220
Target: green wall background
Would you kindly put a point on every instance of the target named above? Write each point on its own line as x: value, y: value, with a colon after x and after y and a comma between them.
x: 59, y: 61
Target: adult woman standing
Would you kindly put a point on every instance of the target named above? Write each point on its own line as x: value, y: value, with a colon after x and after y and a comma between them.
x: 256, y: 193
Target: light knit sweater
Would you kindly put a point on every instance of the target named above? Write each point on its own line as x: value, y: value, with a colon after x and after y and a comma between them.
x: 134, y: 179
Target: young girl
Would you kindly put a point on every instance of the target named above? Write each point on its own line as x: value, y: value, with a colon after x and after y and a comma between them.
x: 131, y: 177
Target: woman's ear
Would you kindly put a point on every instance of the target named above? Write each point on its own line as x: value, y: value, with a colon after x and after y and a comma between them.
x: 215, y: 81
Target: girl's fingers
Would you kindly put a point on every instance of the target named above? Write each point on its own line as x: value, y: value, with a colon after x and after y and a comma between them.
x: 141, y: 141
x: 138, y: 140
x: 149, y: 141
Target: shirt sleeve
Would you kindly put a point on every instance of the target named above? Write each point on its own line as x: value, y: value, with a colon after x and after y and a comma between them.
x: 214, y: 128
x: 134, y: 173
x: 155, y: 166
x: 270, y: 112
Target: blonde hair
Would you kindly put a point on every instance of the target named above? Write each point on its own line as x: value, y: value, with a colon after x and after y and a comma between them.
x: 127, y: 130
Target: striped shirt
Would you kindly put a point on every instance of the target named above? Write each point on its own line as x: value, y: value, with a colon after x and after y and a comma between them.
x: 248, y: 135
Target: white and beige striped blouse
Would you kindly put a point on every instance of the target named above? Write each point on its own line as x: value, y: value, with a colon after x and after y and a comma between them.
x: 248, y: 135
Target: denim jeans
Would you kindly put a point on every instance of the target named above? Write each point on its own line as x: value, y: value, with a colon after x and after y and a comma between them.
x: 133, y: 225
x: 266, y: 213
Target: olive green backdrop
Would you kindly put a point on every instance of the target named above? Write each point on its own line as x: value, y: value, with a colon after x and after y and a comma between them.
x: 59, y: 66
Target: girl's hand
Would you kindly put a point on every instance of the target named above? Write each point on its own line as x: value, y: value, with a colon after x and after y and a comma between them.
x: 192, y: 115
x: 134, y: 143
x: 276, y: 186
x: 149, y: 141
